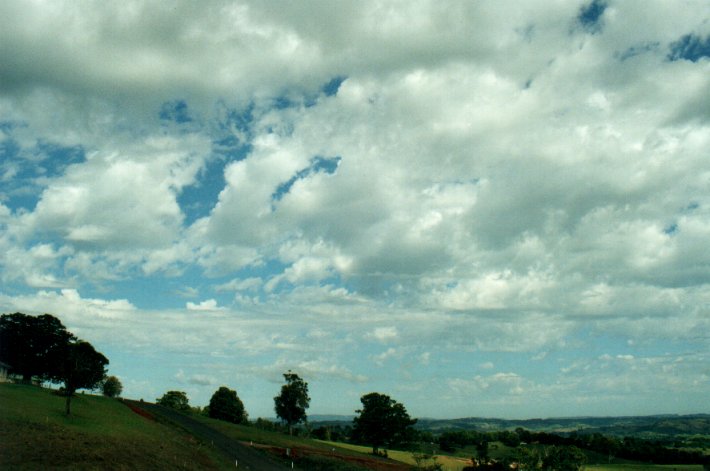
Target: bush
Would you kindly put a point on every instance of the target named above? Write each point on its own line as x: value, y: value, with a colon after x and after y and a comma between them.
x: 112, y: 387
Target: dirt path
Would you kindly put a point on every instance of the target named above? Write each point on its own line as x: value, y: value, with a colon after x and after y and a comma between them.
x: 243, y: 456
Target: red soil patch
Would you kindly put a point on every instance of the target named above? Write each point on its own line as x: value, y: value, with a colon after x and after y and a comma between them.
x: 139, y: 411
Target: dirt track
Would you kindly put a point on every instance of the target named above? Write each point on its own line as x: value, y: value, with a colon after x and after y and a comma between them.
x: 243, y: 456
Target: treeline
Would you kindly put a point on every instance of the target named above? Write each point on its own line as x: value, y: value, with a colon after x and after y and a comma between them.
x: 382, y: 422
x: 630, y: 448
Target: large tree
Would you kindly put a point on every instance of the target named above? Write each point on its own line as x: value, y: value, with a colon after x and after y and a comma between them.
x: 226, y: 405
x: 291, y: 404
x: 32, y: 345
x: 80, y: 366
x: 382, y: 421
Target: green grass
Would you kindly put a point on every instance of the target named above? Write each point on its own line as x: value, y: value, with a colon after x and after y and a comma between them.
x: 450, y: 463
x: 499, y: 451
x: 331, y: 455
x: 246, y: 433
x: 101, y: 433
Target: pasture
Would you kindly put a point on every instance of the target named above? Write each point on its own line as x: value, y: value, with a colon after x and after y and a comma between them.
x: 644, y: 467
x: 101, y: 433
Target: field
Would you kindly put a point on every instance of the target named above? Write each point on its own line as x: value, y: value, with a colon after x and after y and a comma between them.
x: 644, y: 467
x: 102, y: 433
x: 453, y: 463
x: 450, y: 463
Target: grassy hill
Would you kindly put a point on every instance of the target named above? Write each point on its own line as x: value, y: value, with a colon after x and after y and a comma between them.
x: 105, y: 433
x: 102, y: 433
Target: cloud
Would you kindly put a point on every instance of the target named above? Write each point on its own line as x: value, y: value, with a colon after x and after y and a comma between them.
x: 506, y: 383
x: 384, y: 334
x: 313, y: 369
x: 196, y: 379
x: 207, y: 305
x: 384, y: 356
x: 248, y: 284
x: 188, y: 292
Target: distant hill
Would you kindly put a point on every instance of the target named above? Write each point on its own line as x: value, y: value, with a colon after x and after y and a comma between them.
x: 330, y: 418
x: 637, y: 426
x: 661, y: 425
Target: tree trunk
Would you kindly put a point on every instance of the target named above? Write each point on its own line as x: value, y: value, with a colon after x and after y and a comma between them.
x: 68, y: 403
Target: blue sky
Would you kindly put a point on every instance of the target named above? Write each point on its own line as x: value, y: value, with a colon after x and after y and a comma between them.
x: 479, y: 208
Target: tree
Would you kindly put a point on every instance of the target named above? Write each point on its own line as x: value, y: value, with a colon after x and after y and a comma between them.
x: 80, y: 366
x: 563, y: 458
x: 482, y: 450
x: 175, y: 400
x: 291, y: 404
x: 528, y: 458
x: 112, y: 387
x: 226, y: 405
x: 31, y: 345
x: 382, y: 421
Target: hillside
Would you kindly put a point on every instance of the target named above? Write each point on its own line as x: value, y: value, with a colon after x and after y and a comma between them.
x: 112, y: 434
x: 107, y: 433
x: 102, y: 433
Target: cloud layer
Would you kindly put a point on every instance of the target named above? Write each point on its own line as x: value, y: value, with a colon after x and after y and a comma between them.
x: 379, y: 195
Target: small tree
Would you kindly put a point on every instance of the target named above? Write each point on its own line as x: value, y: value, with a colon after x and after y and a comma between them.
x: 291, y: 404
x: 563, y: 458
x: 482, y: 450
x: 382, y: 420
x: 426, y: 462
x: 80, y: 367
x: 528, y: 458
x: 175, y: 400
x: 226, y: 405
x: 112, y: 387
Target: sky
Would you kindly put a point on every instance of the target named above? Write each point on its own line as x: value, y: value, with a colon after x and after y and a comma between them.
x: 480, y: 208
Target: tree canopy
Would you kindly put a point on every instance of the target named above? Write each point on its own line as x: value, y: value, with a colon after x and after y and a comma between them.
x: 41, y: 347
x: 382, y: 421
x: 226, y: 405
x: 291, y: 404
x: 31, y: 344
x: 175, y: 400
